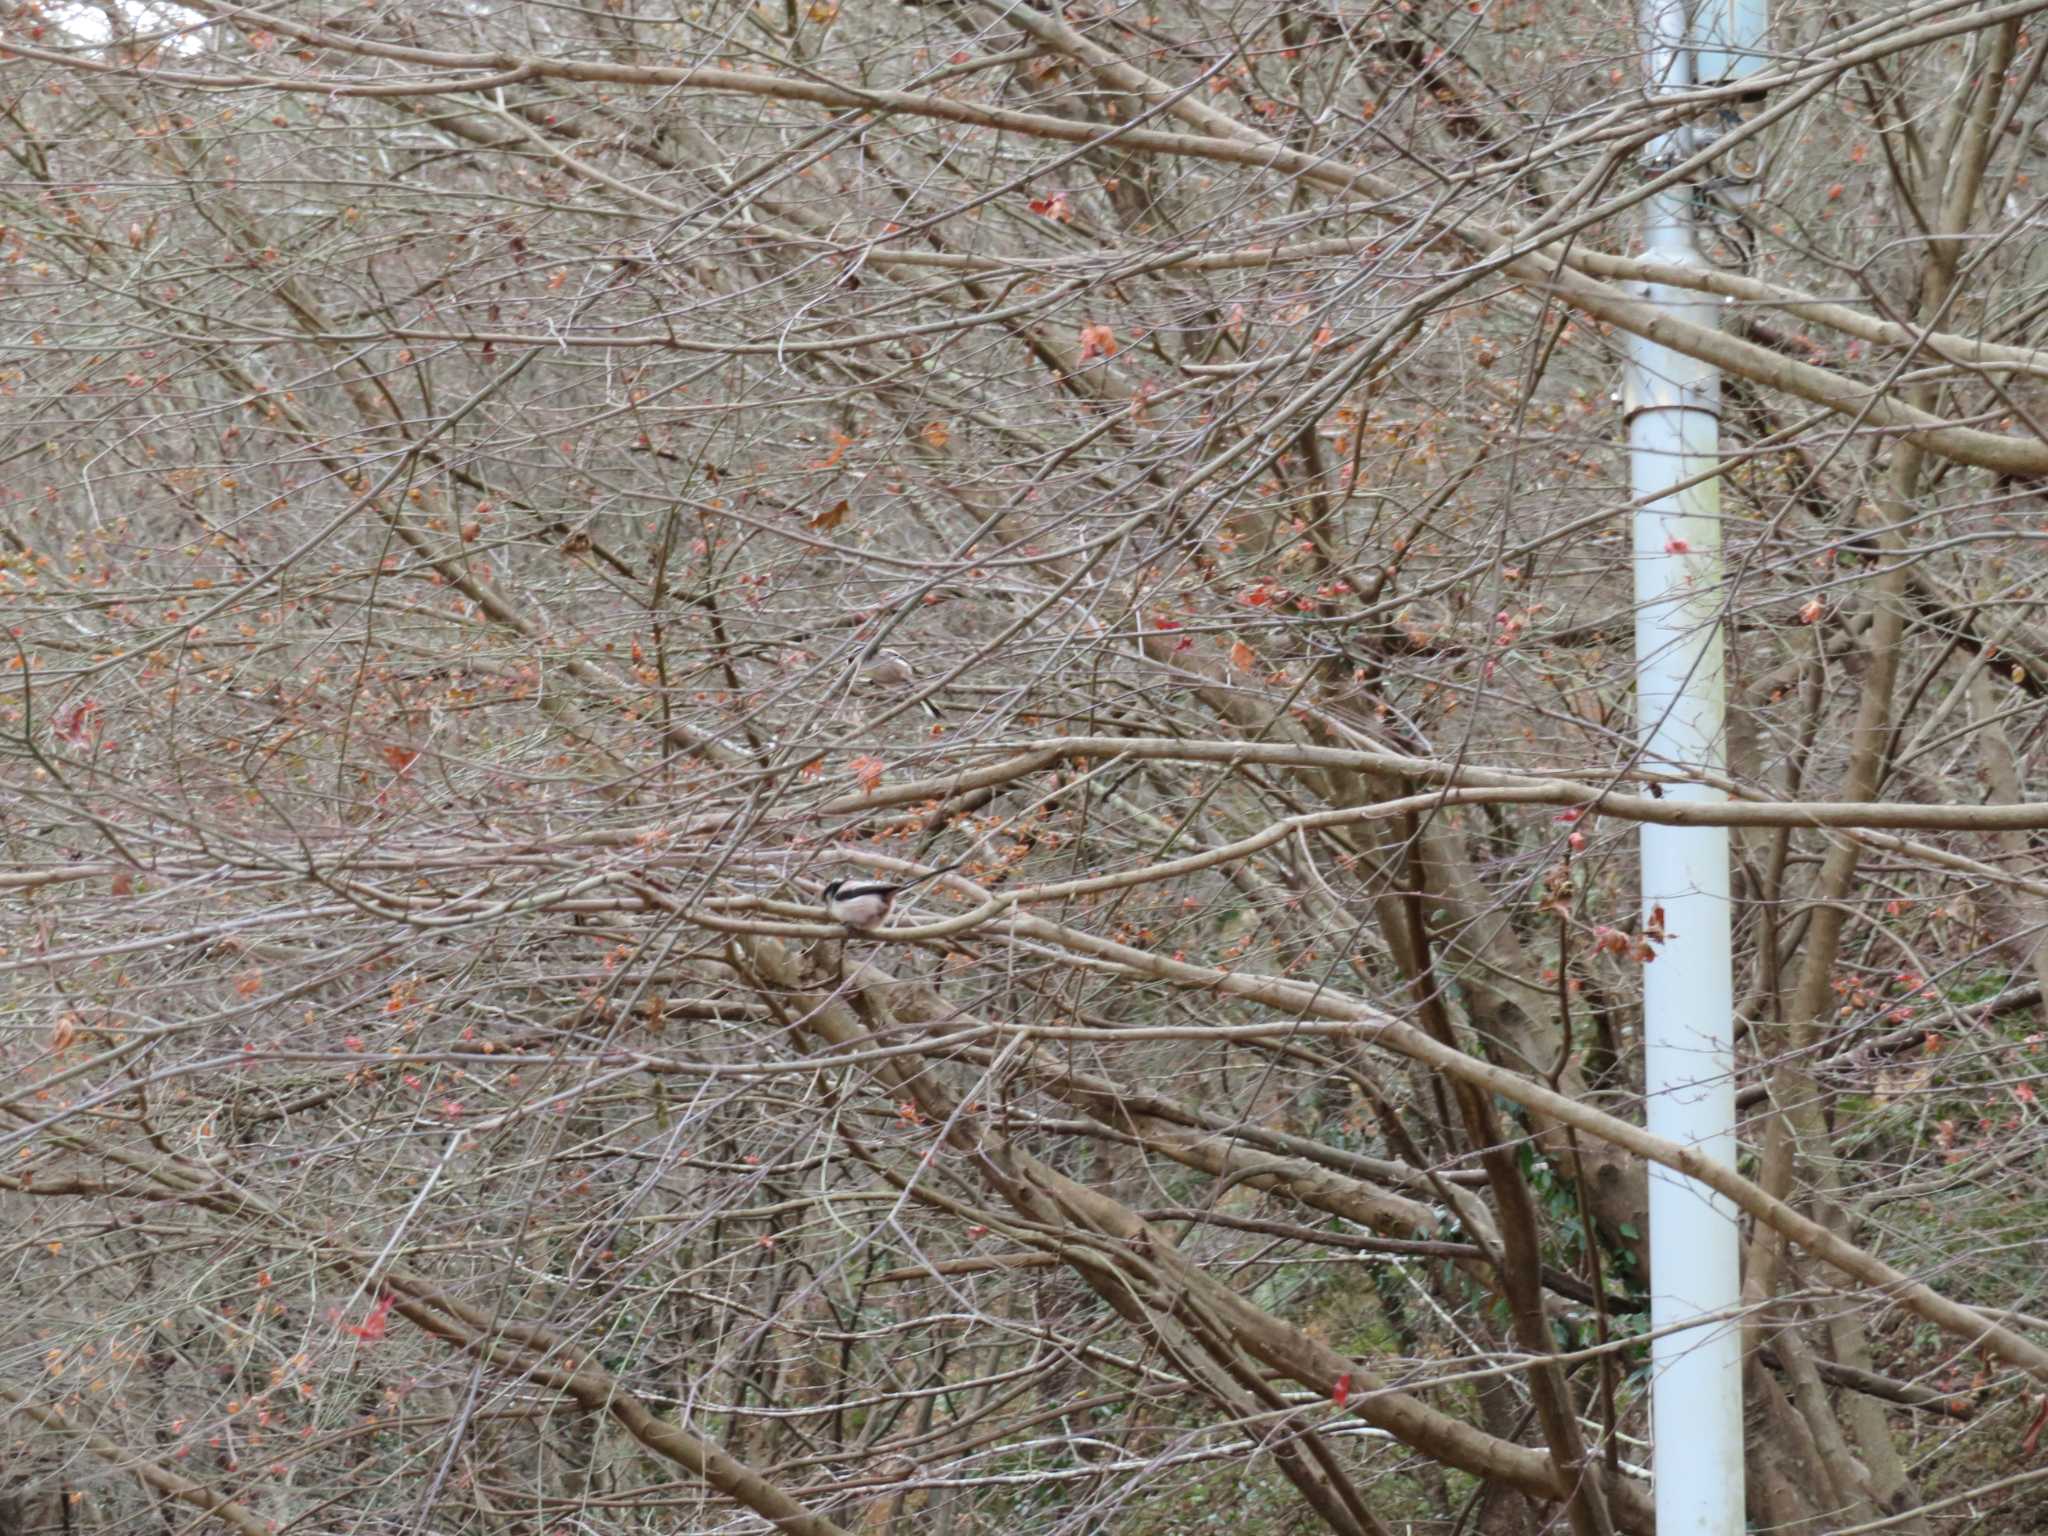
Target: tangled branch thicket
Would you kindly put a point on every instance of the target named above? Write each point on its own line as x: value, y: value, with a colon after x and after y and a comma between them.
x: 493, y: 499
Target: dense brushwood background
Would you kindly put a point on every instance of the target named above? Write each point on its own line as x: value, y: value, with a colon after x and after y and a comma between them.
x: 459, y: 468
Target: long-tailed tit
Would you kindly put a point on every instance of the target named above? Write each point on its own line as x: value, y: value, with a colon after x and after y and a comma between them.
x: 862, y: 904
x: 888, y: 669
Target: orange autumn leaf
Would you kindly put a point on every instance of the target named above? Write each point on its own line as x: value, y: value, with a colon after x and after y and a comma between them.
x: 1242, y: 657
x: 831, y: 517
x: 400, y: 758
x: 840, y: 443
x: 937, y: 433
x: 869, y: 771
x: 1097, y: 341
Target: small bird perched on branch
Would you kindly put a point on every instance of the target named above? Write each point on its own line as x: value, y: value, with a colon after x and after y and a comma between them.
x: 862, y: 904
x: 888, y: 669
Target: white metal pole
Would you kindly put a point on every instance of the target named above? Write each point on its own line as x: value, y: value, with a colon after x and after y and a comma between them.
x: 1673, y: 409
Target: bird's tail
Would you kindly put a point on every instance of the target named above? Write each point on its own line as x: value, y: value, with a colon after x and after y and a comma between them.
x: 932, y: 874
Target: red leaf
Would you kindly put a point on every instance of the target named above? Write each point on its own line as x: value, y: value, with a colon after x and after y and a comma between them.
x: 1340, y: 1394
x: 372, y: 1325
x: 2033, y: 1437
x: 77, y: 724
